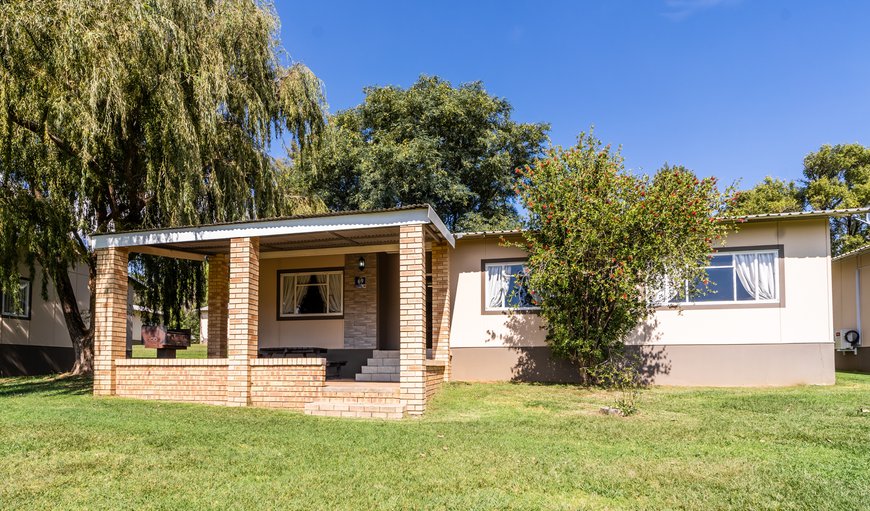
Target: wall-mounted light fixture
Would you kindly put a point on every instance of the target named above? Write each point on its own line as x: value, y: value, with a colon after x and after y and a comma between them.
x: 361, y: 263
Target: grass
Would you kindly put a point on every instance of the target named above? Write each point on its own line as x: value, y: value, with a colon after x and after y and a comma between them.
x: 481, y: 446
x: 194, y: 351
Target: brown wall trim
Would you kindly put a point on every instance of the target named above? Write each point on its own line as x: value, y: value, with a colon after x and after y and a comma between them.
x: 483, y: 311
x: 25, y: 360
x: 279, y: 317
x: 848, y: 361
x: 747, y: 304
x: 684, y: 365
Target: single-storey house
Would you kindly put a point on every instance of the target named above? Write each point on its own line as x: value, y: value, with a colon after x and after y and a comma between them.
x: 395, y: 304
x: 851, y: 290
x: 34, y: 338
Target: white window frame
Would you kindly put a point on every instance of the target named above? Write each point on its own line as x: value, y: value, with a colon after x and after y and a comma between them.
x: 305, y: 273
x: 734, y: 301
x: 486, y: 306
x: 28, y: 298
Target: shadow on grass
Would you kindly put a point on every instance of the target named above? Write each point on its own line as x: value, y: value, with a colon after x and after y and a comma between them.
x: 60, y: 385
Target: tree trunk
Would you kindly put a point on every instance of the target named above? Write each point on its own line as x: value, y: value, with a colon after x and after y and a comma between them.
x: 81, y: 335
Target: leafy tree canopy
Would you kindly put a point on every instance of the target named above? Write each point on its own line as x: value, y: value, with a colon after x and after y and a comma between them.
x: 837, y: 177
x: 451, y: 147
x: 770, y: 196
x: 122, y: 114
x: 601, y: 240
x: 834, y: 177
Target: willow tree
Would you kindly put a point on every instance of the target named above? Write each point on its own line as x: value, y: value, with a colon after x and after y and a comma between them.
x: 126, y: 114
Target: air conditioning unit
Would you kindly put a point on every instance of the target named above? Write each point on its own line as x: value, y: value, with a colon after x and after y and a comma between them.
x: 847, y: 339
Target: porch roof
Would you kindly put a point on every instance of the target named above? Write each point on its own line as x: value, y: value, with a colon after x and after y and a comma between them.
x: 345, y: 231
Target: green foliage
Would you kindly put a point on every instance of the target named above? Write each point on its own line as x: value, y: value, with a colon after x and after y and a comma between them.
x: 770, y: 196
x: 600, y: 239
x: 451, y: 147
x: 837, y: 177
x: 124, y: 114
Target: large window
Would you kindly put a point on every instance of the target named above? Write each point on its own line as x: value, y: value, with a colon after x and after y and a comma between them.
x: 506, y: 286
x: 738, y: 276
x: 310, y: 294
x: 17, y: 305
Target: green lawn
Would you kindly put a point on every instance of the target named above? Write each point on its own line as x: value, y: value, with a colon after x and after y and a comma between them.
x: 481, y: 446
x: 194, y: 351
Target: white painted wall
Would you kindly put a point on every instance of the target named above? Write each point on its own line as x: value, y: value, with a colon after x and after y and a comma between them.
x: 325, y: 333
x: 806, y: 316
x: 46, y: 326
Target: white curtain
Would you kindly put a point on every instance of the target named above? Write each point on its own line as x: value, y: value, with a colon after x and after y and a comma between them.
x: 767, y: 276
x: 298, y: 292
x: 757, y: 274
x: 335, y: 286
x: 288, y: 299
x: 497, y: 282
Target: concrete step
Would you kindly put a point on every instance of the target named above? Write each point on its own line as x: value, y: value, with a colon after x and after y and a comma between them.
x: 355, y: 410
x: 380, y: 369
x: 357, y: 393
x: 377, y: 377
x: 394, y: 361
x: 385, y: 354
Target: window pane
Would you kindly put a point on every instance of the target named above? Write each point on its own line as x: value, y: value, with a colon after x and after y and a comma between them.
x: 720, y: 260
x: 335, y: 289
x: 743, y: 294
x: 312, y: 301
x: 720, y: 288
x: 18, y: 304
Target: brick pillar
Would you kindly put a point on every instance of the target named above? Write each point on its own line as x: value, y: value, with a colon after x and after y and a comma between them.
x: 412, y: 317
x: 218, y: 298
x: 110, y: 317
x: 243, y: 314
x: 441, y: 305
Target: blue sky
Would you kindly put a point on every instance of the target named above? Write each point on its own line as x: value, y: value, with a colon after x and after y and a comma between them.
x: 735, y: 89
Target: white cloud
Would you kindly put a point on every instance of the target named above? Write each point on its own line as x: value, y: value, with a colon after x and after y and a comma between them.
x: 678, y: 10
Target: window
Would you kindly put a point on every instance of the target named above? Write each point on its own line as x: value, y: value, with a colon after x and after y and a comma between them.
x: 506, y: 286
x: 310, y: 294
x: 744, y: 276
x: 17, y: 305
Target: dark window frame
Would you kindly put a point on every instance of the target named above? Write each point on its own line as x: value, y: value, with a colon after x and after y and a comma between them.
x: 29, y: 311
x: 483, y: 309
x: 307, y: 317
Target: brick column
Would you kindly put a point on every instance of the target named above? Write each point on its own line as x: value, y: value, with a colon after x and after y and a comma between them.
x: 218, y: 299
x: 243, y: 314
x: 110, y: 317
x: 441, y: 305
x: 412, y: 317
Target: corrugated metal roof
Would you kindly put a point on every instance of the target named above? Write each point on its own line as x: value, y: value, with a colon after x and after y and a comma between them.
x: 798, y: 214
x: 274, y: 219
x: 854, y: 252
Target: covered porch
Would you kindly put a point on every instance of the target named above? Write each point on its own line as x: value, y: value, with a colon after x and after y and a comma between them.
x: 360, y: 293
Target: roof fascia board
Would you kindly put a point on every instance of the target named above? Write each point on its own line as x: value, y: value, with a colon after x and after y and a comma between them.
x: 436, y: 221
x: 268, y: 228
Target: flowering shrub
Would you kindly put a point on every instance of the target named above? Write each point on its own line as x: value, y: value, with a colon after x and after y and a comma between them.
x: 601, y: 240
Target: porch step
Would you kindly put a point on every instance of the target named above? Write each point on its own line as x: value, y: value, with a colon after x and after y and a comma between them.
x: 377, y: 369
x: 361, y: 393
x: 355, y: 410
x: 385, y: 353
x: 391, y: 361
x: 383, y: 366
x: 392, y: 377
